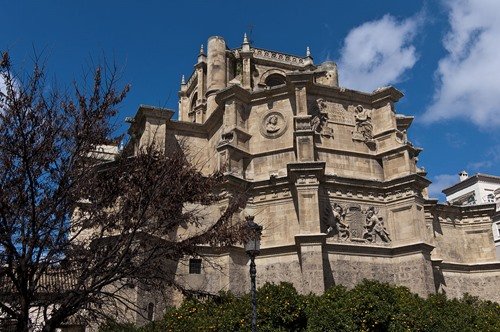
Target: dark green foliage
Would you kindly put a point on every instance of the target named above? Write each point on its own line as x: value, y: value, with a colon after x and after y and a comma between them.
x: 466, y: 314
x: 329, y: 312
x: 370, y: 306
x: 280, y: 308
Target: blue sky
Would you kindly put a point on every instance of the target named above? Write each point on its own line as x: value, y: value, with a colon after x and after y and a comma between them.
x: 443, y: 55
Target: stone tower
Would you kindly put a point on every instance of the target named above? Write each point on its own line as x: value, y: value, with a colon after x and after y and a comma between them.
x: 331, y: 176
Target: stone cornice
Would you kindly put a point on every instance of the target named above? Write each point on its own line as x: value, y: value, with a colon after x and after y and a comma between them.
x: 317, y: 168
x: 146, y: 111
x: 233, y: 92
x: 153, y: 111
x: 300, y: 77
x: 464, y: 210
x: 191, y: 127
x: 412, y: 178
x: 376, y: 98
x: 468, y: 268
x: 284, y: 60
x: 403, y: 121
x: 332, y: 248
x: 273, y: 92
x: 379, y: 251
x: 382, y: 95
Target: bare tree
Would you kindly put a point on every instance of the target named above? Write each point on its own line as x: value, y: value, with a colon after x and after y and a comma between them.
x: 74, y: 233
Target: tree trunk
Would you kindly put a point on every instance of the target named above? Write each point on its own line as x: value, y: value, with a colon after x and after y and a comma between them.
x: 23, y: 320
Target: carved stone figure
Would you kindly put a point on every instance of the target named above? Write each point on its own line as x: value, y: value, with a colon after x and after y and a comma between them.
x: 337, y: 222
x: 272, y: 124
x: 364, y: 126
x: 226, y: 137
x: 374, y: 226
x: 322, y: 105
x: 317, y: 122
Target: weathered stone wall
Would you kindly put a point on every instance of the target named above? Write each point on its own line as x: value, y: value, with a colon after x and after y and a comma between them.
x: 413, y: 271
x: 484, y: 284
x: 283, y: 267
x: 279, y: 219
x: 464, y: 243
x: 349, y: 165
x: 383, y: 119
x: 396, y: 165
x: 263, y: 166
x: 263, y: 141
x: 405, y: 220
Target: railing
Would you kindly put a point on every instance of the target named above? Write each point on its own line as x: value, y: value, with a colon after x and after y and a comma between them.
x: 261, y: 53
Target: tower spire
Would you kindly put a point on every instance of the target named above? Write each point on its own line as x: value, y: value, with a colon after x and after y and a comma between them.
x: 245, y: 38
x: 308, y: 52
x: 183, y: 80
x: 202, y: 51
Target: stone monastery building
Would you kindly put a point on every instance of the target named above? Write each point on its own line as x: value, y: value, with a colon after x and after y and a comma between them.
x: 330, y: 174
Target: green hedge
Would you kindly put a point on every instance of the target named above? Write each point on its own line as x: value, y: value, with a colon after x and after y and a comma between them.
x: 370, y: 306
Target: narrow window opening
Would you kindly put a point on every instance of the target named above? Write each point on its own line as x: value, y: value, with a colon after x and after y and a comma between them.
x: 195, y: 266
x: 151, y: 311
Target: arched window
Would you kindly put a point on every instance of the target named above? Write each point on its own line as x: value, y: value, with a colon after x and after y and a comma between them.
x: 275, y: 79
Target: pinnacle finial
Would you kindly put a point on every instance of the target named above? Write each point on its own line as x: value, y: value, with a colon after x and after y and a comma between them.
x: 308, y: 51
x: 245, y: 38
x: 201, y: 49
x: 183, y: 80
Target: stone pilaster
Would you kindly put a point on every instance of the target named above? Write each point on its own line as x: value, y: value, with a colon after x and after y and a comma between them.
x: 307, y: 180
x: 246, y: 59
x: 311, y: 262
x: 183, y: 101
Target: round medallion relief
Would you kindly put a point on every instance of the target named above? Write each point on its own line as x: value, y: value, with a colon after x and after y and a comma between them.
x: 273, y: 125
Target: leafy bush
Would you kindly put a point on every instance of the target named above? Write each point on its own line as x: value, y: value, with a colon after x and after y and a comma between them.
x: 370, y: 306
x: 280, y: 308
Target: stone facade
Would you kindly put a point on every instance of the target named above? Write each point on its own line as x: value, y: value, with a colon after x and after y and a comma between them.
x: 474, y: 190
x: 331, y: 176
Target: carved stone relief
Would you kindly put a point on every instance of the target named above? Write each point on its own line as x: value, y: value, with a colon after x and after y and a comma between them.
x: 335, y: 112
x: 320, y: 123
x: 302, y: 123
x: 273, y: 125
x: 354, y: 224
x: 226, y: 136
x: 364, y: 128
x: 374, y: 227
x: 336, y: 222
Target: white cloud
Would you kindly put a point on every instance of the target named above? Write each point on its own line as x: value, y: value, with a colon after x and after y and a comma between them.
x: 440, y: 182
x: 454, y: 140
x: 468, y: 79
x: 378, y: 53
x: 480, y: 165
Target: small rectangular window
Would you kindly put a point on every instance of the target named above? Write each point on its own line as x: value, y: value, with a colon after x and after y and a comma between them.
x: 195, y: 266
x: 490, y: 198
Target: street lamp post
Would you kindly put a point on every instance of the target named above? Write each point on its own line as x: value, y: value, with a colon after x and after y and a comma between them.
x: 252, y: 248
